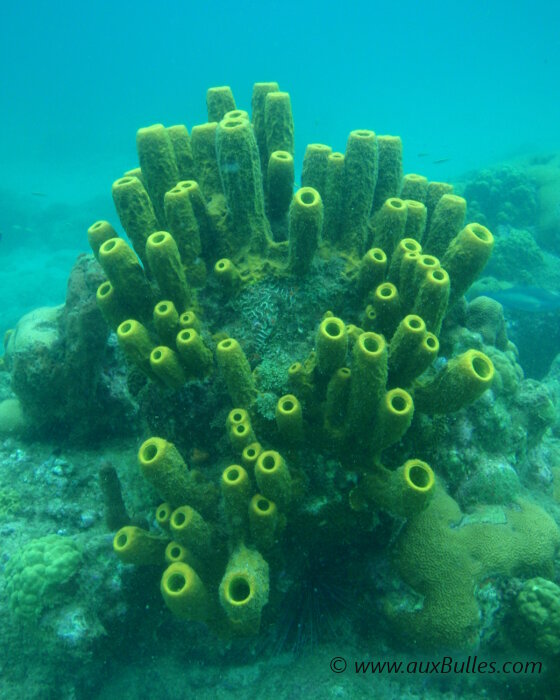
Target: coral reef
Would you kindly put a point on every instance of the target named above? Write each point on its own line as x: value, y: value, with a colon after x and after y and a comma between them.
x: 35, y: 577
x: 538, y: 606
x: 56, y: 356
x: 330, y: 434
x: 348, y: 284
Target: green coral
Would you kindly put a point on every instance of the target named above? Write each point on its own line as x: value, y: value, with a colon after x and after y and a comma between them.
x: 35, y: 574
x: 443, y: 554
x: 538, y: 606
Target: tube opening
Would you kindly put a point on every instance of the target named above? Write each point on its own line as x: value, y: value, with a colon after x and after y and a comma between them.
x: 370, y: 343
x: 399, y: 403
x: 333, y: 329
x: 481, y: 367
x: 149, y: 452
x: 239, y: 589
x: 263, y: 504
x: 307, y: 197
x: 419, y: 476
x: 268, y: 462
x: 176, y: 582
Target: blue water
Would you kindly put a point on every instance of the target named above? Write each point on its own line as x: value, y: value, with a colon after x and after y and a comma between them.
x: 466, y: 85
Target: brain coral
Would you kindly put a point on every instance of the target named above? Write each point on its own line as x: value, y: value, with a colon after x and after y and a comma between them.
x: 35, y: 574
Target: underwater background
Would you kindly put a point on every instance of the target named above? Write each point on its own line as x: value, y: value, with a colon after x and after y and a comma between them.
x: 346, y: 574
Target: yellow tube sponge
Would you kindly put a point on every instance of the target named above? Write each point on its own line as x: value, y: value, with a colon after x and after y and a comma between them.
x: 331, y: 345
x: 314, y: 168
x: 279, y: 183
x: 406, y: 353
x: 219, y: 100
x: 125, y: 273
x: 175, y: 552
x: 188, y: 319
x: 405, y: 492
x: 390, y: 170
x: 196, y: 358
x: 184, y: 593
x: 278, y: 122
x: 360, y: 164
x: 158, y: 165
x: 416, y: 218
x: 165, y: 364
x: 181, y: 143
x: 263, y: 521
x: 227, y: 275
x: 190, y: 529
x: 182, y: 223
x: 165, y: 263
x: 434, y: 193
x: 414, y: 187
x: 236, y: 371
x: 466, y: 257
x: 367, y: 386
x: 459, y: 383
x: 163, y: 515
x: 240, y: 172
x: 203, y: 143
x: 207, y: 231
x: 244, y: 590
x: 305, y: 221
x: 289, y: 419
x: 334, y: 197
x: 394, y: 416
x: 389, y: 225
x: 166, y: 321
x: 110, y: 305
x: 407, y: 276
x: 250, y: 454
x: 387, y: 305
x: 273, y: 477
x: 258, y: 99
x: 162, y: 465
x: 404, y: 246
x: 338, y: 390
x: 236, y: 491
x: 135, y: 211
x: 241, y: 435
x: 372, y: 270
x: 432, y: 298
x: 133, y: 545
x: 237, y: 416
x: 136, y: 344
x: 446, y: 222
x: 98, y: 233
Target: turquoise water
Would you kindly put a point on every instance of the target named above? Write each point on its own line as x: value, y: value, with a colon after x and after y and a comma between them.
x: 472, y: 90
x: 466, y: 86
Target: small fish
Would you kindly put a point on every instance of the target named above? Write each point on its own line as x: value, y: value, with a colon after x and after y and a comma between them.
x: 423, y: 155
x: 198, y: 456
x: 38, y: 194
x: 534, y: 299
x: 439, y: 161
